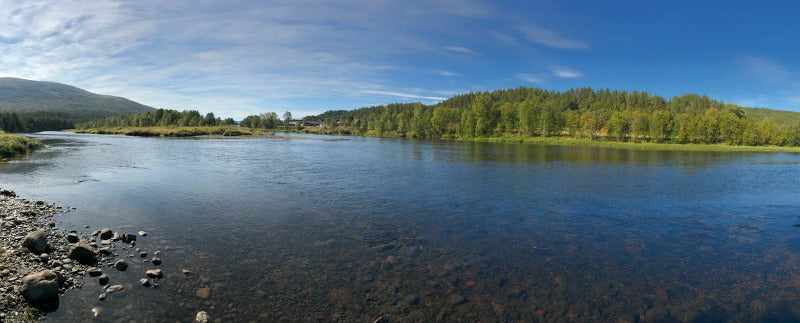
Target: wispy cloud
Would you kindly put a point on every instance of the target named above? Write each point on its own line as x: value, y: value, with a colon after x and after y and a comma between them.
x: 533, y: 78
x: 550, y: 38
x: 565, y: 72
x: 459, y: 49
x: 765, y: 69
x: 404, y: 95
x: 446, y: 73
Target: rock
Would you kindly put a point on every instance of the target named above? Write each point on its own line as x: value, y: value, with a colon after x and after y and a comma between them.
x: 105, y: 241
x: 186, y: 271
x: 114, y: 288
x: 143, y: 254
x: 115, y: 236
x: 94, y: 272
x: 102, y: 296
x: 8, y: 193
x: 456, y: 299
x: 51, y: 223
x: 72, y: 237
x: 44, y: 258
x: 142, y: 233
x: 121, y: 265
x: 156, y: 261
x: 106, y: 233
x: 128, y: 238
x: 36, y: 241
x: 96, y: 311
x: 203, y: 292
x: 154, y: 273
x: 201, y: 317
x: 145, y: 282
x: 105, y: 251
x: 40, y: 286
x: 83, y: 253
x: 103, y: 280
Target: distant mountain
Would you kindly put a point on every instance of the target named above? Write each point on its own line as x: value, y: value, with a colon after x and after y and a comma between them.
x: 34, y: 97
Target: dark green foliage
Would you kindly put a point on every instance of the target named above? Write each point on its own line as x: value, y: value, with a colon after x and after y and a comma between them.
x: 155, y: 118
x: 582, y: 113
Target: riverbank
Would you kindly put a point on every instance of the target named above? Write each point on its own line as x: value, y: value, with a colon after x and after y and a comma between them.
x: 169, y: 131
x: 18, y: 219
x: 15, y: 146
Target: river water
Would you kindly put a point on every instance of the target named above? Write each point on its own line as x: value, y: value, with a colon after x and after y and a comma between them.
x: 324, y: 228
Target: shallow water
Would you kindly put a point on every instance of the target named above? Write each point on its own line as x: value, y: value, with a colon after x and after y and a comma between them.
x: 321, y: 229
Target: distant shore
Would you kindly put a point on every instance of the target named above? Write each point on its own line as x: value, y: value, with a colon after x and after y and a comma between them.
x: 224, y: 131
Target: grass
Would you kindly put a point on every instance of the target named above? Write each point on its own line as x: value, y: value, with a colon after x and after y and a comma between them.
x: 169, y: 131
x: 15, y: 146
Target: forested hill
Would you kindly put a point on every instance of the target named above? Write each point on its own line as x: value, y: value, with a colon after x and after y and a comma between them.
x: 583, y: 113
x: 26, y: 96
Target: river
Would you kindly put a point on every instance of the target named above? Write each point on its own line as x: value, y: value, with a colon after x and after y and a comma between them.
x: 327, y: 228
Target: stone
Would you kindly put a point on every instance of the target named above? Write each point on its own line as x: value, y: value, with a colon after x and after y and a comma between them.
x: 121, y: 265
x: 186, y: 271
x: 456, y: 299
x: 203, y: 292
x: 36, y: 242
x: 115, y: 236
x: 72, y: 237
x: 105, y: 251
x: 156, y: 261
x: 145, y: 282
x: 44, y: 258
x: 102, y: 296
x: 40, y: 286
x: 103, y: 280
x: 94, y: 272
x: 142, y: 233
x: 201, y: 317
x: 83, y: 253
x: 128, y: 238
x: 114, y: 288
x: 106, y: 233
x: 143, y: 254
x: 154, y: 273
x: 8, y: 193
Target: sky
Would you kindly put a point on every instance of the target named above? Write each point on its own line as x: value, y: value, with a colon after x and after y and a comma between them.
x: 237, y: 58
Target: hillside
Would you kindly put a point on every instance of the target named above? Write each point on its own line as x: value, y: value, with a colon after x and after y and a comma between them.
x: 33, y: 97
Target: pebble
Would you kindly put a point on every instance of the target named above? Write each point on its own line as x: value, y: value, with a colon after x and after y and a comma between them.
x: 102, y: 296
x: 456, y: 299
x: 154, y: 273
x: 142, y: 233
x: 156, y: 261
x: 94, y: 272
x: 103, y: 280
x: 203, y: 292
x: 145, y: 282
x: 114, y: 288
x: 201, y: 317
x: 121, y: 265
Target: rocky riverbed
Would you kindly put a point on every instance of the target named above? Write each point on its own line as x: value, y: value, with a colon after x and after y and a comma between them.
x: 39, y: 263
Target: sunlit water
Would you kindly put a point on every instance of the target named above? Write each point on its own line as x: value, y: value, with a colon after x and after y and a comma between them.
x: 348, y: 228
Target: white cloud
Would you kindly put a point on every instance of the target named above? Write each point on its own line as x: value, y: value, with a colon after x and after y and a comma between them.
x: 459, y: 49
x: 564, y: 72
x: 533, y: 78
x: 765, y: 69
x: 404, y: 95
x: 550, y: 38
x: 446, y: 73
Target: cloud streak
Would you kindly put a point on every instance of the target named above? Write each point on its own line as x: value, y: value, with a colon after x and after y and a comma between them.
x: 550, y: 38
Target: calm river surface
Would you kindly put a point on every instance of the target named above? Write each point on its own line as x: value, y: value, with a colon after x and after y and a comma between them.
x: 348, y: 228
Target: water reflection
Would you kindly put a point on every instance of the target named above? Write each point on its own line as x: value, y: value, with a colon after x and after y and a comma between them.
x: 429, y: 230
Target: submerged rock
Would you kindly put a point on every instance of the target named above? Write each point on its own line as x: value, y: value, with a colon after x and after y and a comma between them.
x: 201, y: 317
x: 203, y: 292
x: 40, y: 286
x: 36, y: 242
x: 154, y: 273
x: 128, y: 238
x: 114, y: 288
x: 103, y: 280
x: 121, y: 265
x: 83, y: 253
x: 156, y: 261
x: 106, y: 233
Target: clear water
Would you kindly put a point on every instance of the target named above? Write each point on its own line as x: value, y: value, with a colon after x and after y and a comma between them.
x: 347, y: 228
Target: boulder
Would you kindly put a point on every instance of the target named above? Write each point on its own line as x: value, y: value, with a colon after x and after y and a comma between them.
x: 154, y: 273
x: 83, y: 253
x: 36, y: 241
x: 121, y: 265
x: 72, y: 237
x: 40, y: 286
x: 106, y: 233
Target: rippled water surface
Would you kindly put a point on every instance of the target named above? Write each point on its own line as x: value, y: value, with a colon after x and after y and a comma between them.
x: 347, y: 228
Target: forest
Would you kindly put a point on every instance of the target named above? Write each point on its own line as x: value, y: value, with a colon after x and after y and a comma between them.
x: 33, y: 122
x: 158, y: 118
x: 578, y: 113
x: 530, y: 112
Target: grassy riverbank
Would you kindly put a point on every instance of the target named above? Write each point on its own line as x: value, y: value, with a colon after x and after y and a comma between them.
x: 170, y: 131
x: 15, y: 146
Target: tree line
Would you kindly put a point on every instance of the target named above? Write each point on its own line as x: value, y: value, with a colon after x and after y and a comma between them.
x: 158, y: 118
x: 579, y: 113
x: 33, y: 122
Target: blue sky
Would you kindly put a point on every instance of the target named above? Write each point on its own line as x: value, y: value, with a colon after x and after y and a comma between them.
x: 246, y: 57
